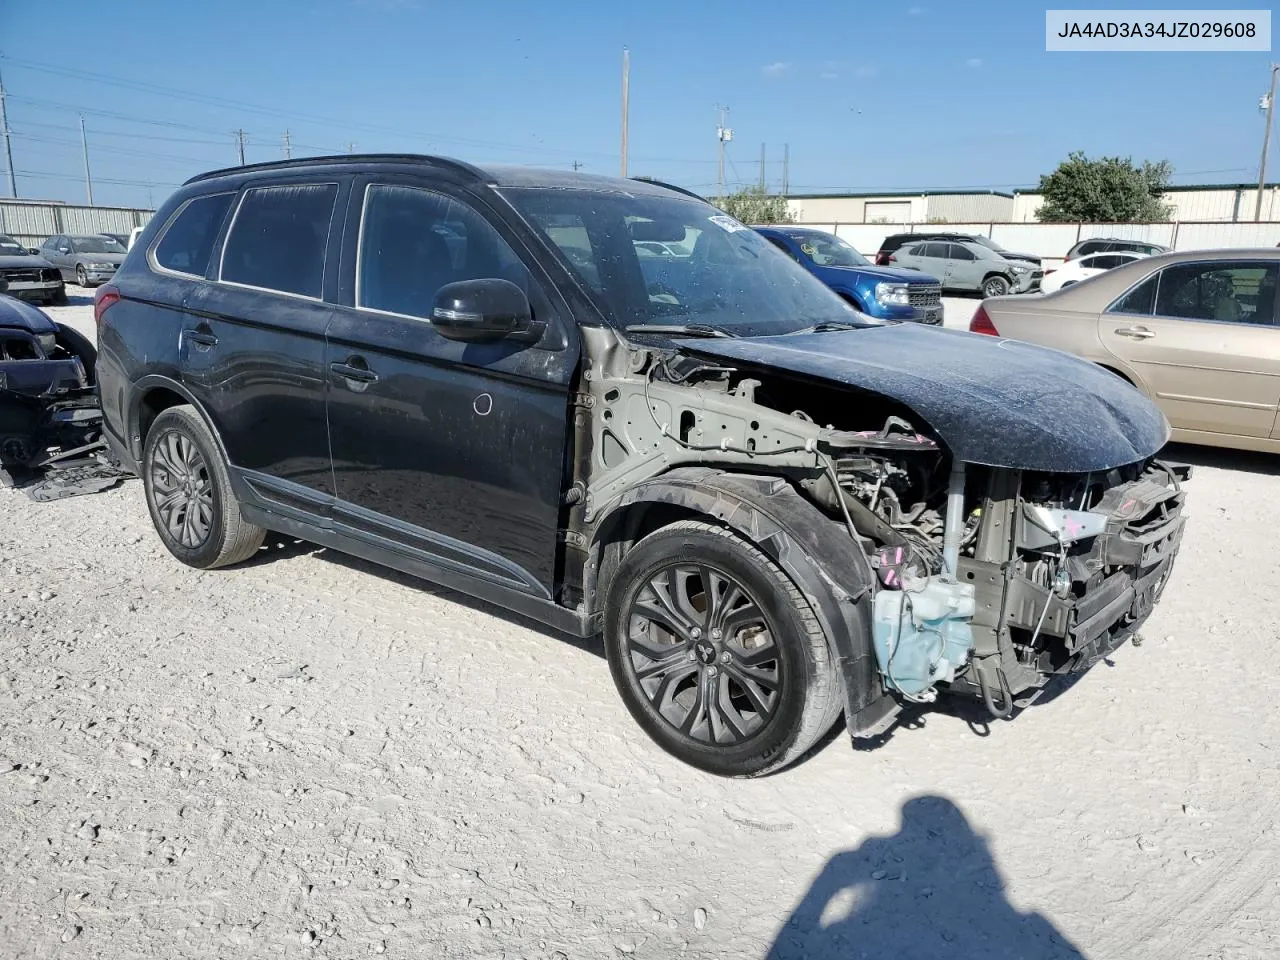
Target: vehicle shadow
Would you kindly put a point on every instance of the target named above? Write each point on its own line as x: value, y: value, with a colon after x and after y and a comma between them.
x: 1220, y: 458
x: 930, y: 890
x: 278, y: 546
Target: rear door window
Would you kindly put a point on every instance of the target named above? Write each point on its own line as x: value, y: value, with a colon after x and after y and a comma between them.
x: 278, y: 239
x: 1140, y: 300
x: 1222, y: 291
x: 188, y: 239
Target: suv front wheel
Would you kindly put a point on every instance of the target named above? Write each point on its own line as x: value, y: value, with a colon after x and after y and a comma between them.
x: 716, y: 653
x: 189, y: 494
x: 995, y: 286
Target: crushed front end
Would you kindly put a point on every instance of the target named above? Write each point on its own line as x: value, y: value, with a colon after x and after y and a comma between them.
x: 1064, y: 570
x: 50, y: 421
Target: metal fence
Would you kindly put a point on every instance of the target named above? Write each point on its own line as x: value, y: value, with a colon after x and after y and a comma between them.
x: 32, y: 223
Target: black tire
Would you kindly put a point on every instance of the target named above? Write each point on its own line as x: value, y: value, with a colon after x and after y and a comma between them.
x: 59, y: 298
x: 81, y: 277
x: 80, y: 347
x: 995, y: 286
x: 744, y: 728
x: 181, y: 459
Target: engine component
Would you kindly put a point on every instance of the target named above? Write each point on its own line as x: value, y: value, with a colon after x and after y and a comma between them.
x: 922, y: 634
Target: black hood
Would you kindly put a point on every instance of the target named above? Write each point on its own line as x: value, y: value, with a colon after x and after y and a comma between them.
x: 1002, y: 403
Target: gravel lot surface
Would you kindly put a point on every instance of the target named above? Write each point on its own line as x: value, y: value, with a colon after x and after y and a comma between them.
x: 311, y: 756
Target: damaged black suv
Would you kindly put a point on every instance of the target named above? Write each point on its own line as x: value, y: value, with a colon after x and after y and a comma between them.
x: 609, y: 406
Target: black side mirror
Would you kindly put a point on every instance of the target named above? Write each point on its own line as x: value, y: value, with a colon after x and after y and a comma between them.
x: 476, y: 311
x: 36, y: 250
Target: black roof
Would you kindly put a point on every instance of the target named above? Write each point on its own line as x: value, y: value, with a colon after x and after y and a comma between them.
x: 501, y: 175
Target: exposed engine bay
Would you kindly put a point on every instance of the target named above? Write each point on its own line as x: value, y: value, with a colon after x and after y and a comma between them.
x: 990, y: 579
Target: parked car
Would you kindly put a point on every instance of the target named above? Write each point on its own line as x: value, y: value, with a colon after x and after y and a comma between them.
x: 1197, y: 332
x: 1083, y: 268
x: 969, y: 267
x: 88, y: 260
x: 1112, y: 245
x: 29, y: 276
x: 883, y: 292
x: 133, y: 236
x: 710, y: 458
x: 893, y: 242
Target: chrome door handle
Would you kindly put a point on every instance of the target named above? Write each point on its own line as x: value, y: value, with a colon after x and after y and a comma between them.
x: 1135, y: 333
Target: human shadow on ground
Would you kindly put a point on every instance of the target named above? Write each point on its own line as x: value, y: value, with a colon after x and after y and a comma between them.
x: 931, y: 890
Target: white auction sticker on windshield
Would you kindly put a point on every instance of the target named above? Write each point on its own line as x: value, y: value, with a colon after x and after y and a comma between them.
x: 727, y: 224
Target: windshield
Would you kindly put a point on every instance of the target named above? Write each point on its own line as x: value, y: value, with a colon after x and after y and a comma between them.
x: 11, y: 247
x: 989, y: 244
x: 97, y: 245
x: 650, y: 261
x: 828, y: 250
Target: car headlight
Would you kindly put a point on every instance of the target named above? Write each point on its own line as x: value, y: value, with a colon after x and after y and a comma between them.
x: 48, y: 342
x: 1018, y: 268
x: 893, y: 294
x: 99, y: 266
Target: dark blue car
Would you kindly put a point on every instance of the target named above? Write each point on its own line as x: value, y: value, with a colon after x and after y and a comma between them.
x: 888, y: 293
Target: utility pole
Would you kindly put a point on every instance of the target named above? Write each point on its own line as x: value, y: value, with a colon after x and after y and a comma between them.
x: 786, y: 164
x: 577, y: 165
x: 351, y: 148
x: 1270, y: 102
x: 762, y: 168
x: 84, y: 144
x: 288, y: 147
x: 8, y: 150
x: 240, y: 142
x: 723, y: 135
x: 626, y: 103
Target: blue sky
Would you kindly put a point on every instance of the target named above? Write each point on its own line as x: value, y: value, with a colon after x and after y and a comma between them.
x: 869, y: 95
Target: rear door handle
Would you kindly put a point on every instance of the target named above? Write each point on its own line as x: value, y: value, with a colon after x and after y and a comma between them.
x: 1136, y: 333
x: 354, y: 371
x: 202, y: 338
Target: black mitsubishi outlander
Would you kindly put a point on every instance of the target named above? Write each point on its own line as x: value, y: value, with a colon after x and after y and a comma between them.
x: 607, y: 405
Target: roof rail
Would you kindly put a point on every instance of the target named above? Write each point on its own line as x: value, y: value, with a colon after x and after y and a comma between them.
x: 457, y: 166
x: 670, y: 186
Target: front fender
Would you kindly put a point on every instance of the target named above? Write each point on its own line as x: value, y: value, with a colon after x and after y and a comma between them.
x: 828, y: 566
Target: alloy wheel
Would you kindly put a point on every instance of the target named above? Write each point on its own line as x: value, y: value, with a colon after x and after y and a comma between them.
x: 182, y: 489
x: 704, y: 653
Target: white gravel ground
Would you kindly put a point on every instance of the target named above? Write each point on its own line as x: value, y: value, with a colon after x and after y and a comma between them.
x: 310, y: 756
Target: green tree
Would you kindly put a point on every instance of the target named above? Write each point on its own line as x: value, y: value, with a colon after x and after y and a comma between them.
x: 1107, y: 190
x: 755, y: 205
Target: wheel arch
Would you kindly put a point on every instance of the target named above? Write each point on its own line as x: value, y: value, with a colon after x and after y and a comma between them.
x: 850, y: 298
x: 150, y: 397
x: 818, y: 555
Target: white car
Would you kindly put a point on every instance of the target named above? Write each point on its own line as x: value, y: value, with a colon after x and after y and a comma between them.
x: 1073, y: 271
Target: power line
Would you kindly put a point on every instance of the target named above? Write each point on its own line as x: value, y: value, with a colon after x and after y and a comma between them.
x: 227, y: 104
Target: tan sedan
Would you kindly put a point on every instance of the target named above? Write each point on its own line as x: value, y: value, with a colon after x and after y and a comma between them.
x: 1196, y: 331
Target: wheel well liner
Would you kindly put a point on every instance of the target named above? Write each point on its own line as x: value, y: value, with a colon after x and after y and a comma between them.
x: 819, y: 556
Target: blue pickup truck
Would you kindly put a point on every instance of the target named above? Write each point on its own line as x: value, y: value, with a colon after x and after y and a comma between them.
x: 889, y: 293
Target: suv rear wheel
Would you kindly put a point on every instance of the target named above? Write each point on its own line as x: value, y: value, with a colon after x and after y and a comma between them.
x: 716, y: 653
x: 189, y: 494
